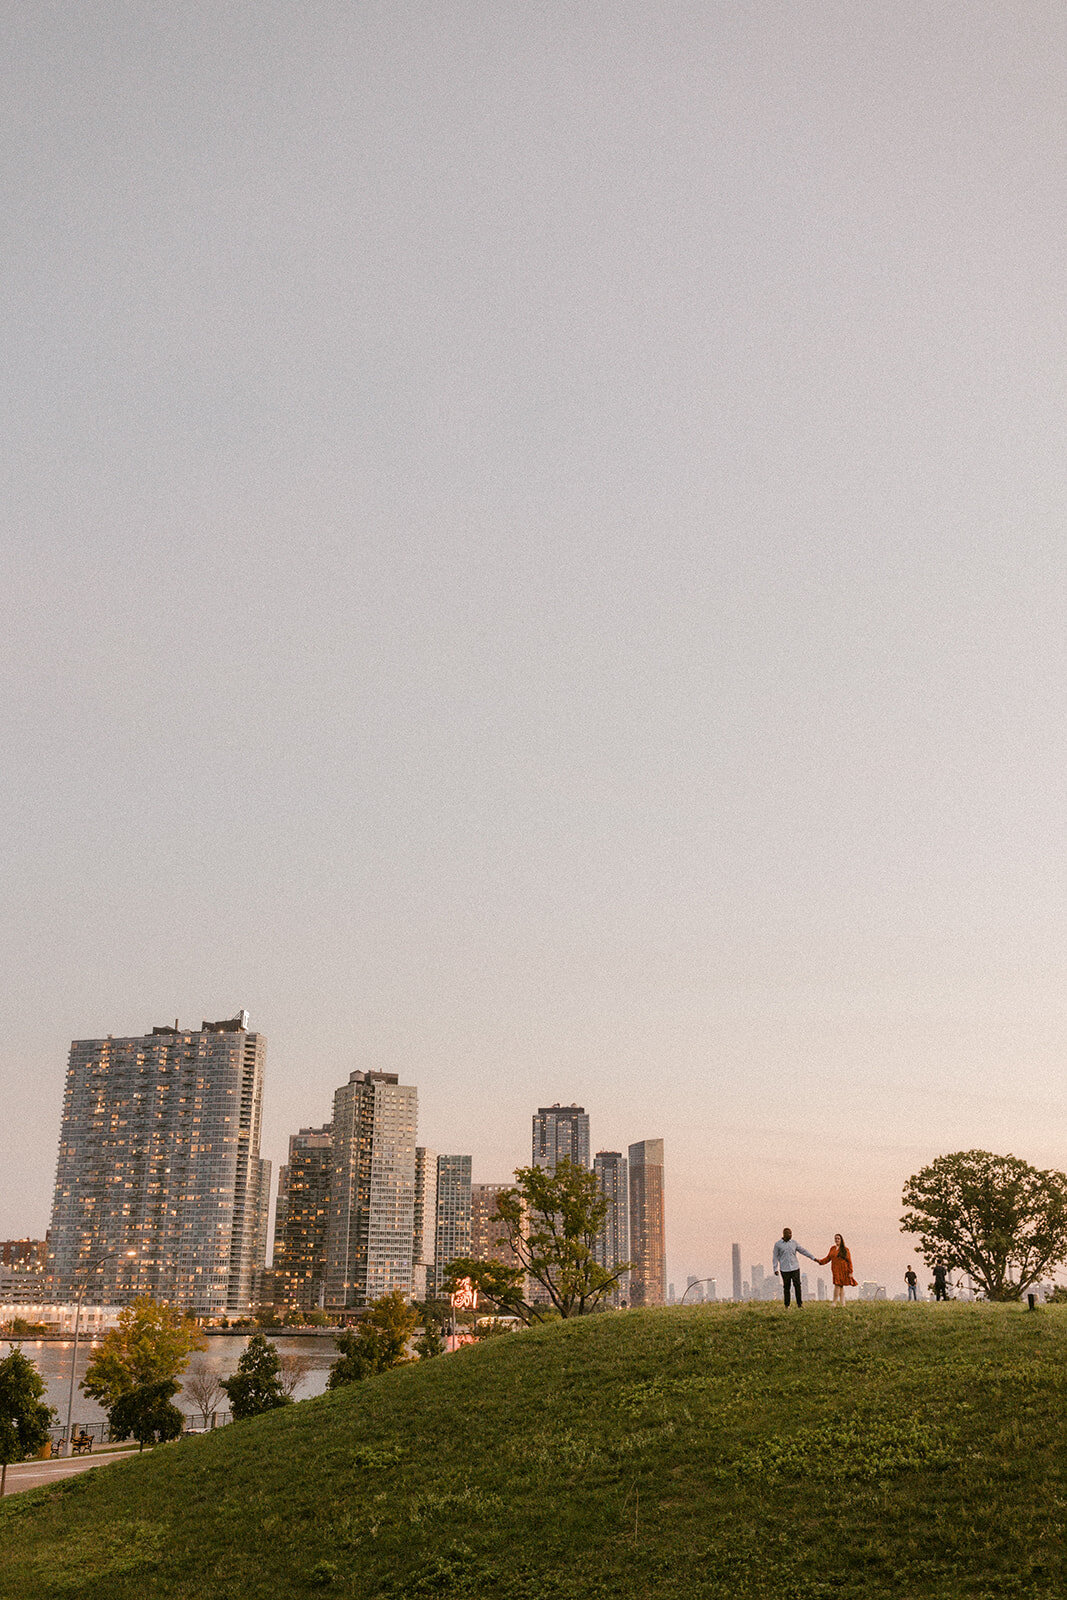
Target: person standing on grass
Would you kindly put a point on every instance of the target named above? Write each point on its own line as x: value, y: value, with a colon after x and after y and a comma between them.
x: 911, y: 1278
x: 786, y: 1251
x: 840, y: 1269
x: 940, y: 1285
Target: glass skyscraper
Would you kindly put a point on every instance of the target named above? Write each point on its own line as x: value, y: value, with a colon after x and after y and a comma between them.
x: 648, y: 1280
x: 613, y: 1241
x: 560, y: 1131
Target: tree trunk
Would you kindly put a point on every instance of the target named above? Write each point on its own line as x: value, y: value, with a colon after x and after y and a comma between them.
x: 3, y: 1479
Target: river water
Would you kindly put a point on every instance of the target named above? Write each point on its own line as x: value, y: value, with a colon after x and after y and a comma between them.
x: 52, y: 1358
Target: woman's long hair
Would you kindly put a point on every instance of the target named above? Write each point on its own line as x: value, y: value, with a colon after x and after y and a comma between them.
x: 842, y: 1248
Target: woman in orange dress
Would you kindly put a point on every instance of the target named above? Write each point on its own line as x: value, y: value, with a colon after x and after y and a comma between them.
x: 841, y: 1269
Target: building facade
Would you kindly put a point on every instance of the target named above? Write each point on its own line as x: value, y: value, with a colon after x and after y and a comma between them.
x: 735, y: 1271
x: 372, y: 1190
x: 301, y: 1218
x: 648, y: 1279
x: 424, y: 1246
x: 613, y: 1241
x: 453, y: 1237
x: 159, y: 1184
x: 490, y: 1240
x: 560, y: 1131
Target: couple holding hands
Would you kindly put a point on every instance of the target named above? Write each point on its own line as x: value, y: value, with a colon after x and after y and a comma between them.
x: 786, y: 1251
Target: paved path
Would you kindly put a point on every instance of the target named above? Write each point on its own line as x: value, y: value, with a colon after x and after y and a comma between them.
x: 31, y: 1474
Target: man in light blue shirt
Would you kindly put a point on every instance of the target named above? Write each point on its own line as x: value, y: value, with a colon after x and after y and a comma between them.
x: 786, y: 1251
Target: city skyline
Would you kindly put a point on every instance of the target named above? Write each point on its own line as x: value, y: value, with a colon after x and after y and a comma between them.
x: 161, y: 1188
x: 708, y: 1260
x: 534, y: 552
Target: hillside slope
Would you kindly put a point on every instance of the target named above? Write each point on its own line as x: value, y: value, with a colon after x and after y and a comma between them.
x: 883, y: 1450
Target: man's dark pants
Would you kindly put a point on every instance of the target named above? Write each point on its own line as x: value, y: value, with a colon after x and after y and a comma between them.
x: 794, y: 1279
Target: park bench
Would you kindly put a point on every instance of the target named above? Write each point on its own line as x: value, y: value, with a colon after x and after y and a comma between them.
x: 81, y: 1444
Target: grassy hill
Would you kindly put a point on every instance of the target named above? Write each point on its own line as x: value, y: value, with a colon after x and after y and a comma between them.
x: 882, y: 1450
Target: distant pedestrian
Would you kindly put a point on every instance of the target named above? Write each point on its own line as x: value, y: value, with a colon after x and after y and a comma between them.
x: 840, y: 1269
x: 785, y: 1255
x: 911, y: 1278
x: 940, y: 1283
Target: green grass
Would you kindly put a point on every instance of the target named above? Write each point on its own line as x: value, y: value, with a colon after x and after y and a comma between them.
x: 743, y: 1452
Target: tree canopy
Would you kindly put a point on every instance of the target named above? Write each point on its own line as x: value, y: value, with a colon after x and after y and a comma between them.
x: 257, y: 1385
x: 379, y: 1342
x: 24, y: 1417
x: 995, y: 1217
x: 151, y: 1344
x: 552, y: 1220
x: 146, y: 1414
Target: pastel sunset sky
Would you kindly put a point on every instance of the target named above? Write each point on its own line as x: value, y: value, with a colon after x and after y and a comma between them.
x: 533, y: 558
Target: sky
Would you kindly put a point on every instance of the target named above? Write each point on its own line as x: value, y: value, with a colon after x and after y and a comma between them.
x: 533, y: 559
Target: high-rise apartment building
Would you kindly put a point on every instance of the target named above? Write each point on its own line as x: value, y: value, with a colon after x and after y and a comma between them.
x: 648, y: 1279
x: 735, y: 1262
x: 372, y: 1189
x: 301, y: 1219
x: 423, y: 1252
x: 490, y: 1240
x: 612, y: 1246
x: 560, y: 1131
x: 453, y: 1213
x: 159, y: 1184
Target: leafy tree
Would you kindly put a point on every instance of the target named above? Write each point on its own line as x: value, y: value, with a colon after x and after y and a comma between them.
x: 552, y: 1221
x: 204, y: 1388
x: 379, y: 1342
x: 24, y: 1417
x: 151, y: 1344
x: 430, y: 1343
x: 1057, y: 1295
x: 146, y: 1414
x: 257, y: 1385
x: 995, y: 1217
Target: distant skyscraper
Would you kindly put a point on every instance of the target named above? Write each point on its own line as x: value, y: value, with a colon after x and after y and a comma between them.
x: 735, y: 1253
x: 159, y: 1155
x: 613, y: 1241
x: 757, y: 1283
x: 560, y: 1131
x: 453, y: 1212
x: 372, y: 1189
x: 697, y: 1296
x: 647, y: 1233
x: 301, y: 1219
x: 711, y: 1290
x: 425, y: 1239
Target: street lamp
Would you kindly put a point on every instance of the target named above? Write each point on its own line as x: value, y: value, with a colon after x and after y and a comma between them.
x: 90, y: 1266
x: 694, y: 1285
